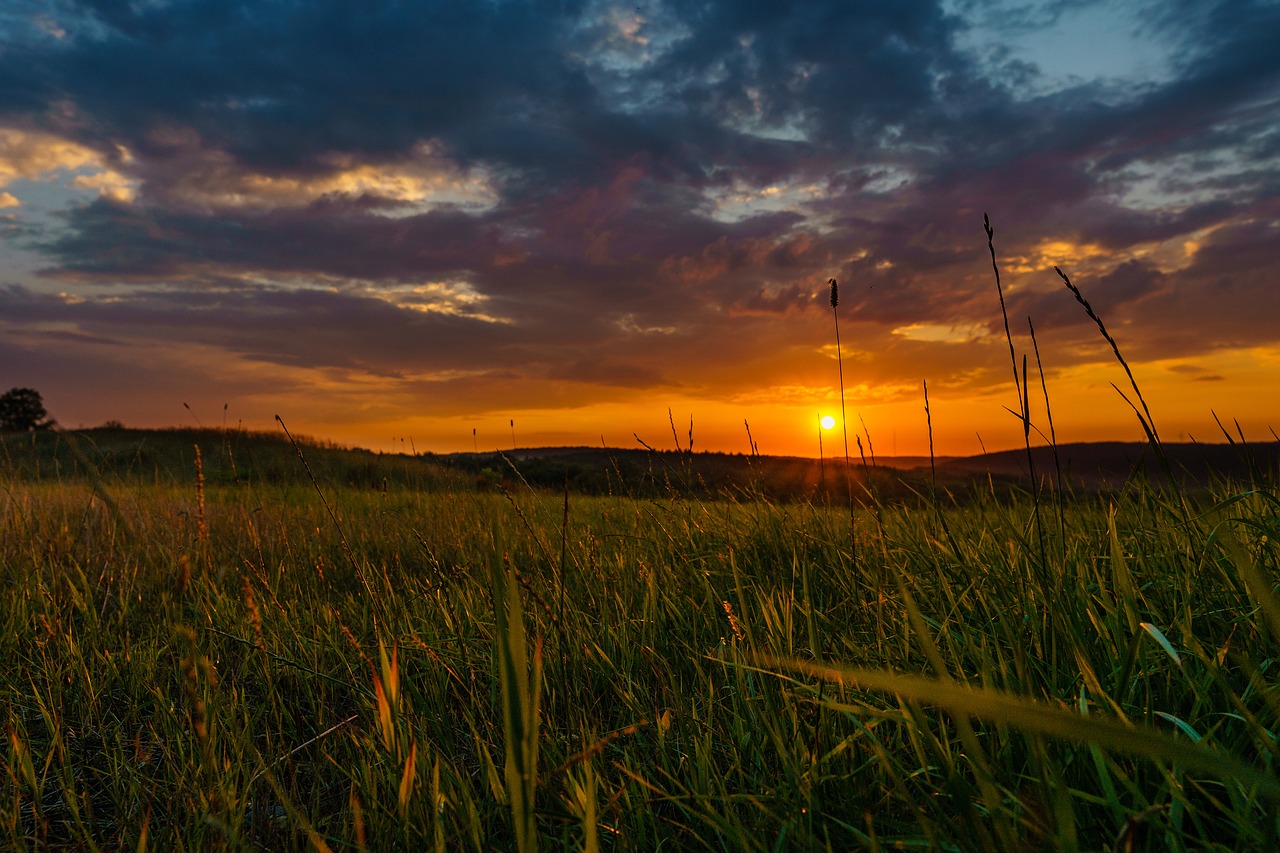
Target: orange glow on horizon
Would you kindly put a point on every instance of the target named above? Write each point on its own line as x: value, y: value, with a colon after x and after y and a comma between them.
x: 362, y: 411
x: 1084, y: 409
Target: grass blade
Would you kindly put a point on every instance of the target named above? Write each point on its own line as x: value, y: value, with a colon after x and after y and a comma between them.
x: 1032, y: 716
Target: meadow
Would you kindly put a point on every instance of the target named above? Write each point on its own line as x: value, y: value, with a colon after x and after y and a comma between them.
x: 218, y: 640
x: 245, y: 651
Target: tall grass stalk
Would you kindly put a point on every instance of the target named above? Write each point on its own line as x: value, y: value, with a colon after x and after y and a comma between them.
x: 1004, y: 314
x: 1059, y: 486
x: 933, y: 470
x: 342, y: 536
x: 844, y: 423
x: 1024, y: 397
x: 1144, y: 416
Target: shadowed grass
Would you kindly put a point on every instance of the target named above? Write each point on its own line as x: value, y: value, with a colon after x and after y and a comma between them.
x: 145, y: 693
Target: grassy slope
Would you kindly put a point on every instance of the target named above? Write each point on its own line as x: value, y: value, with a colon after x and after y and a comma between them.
x: 167, y: 457
x: 241, y: 667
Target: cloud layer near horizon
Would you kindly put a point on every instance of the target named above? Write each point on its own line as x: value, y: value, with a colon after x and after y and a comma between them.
x: 458, y: 208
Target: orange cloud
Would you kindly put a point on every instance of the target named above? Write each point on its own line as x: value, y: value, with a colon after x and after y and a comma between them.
x: 423, y: 179
x: 28, y: 155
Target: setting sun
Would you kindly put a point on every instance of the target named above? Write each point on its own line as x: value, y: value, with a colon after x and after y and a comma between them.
x: 827, y: 422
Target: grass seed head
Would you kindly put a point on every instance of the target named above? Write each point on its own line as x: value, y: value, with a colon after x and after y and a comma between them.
x: 733, y: 621
x: 835, y: 292
x: 255, y: 616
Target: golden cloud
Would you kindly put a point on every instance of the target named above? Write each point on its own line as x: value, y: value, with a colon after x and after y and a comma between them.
x: 425, y: 179
x: 451, y: 298
x: 28, y: 155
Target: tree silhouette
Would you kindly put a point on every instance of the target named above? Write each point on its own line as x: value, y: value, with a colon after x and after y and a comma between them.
x: 22, y: 410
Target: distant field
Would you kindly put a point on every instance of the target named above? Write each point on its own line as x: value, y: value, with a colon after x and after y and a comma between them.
x: 384, y: 652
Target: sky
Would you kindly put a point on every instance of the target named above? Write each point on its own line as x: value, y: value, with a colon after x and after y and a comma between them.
x: 446, y: 226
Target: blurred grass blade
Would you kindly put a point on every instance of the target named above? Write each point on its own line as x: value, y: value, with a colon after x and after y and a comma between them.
x: 1125, y: 589
x: 1040, y: 718
x: 521, y: 692
x: 1260, y: 588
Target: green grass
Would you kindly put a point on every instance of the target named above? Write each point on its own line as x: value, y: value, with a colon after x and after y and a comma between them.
x: 692, y: 674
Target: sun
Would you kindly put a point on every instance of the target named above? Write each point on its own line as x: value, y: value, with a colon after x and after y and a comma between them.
x: 827, y: 422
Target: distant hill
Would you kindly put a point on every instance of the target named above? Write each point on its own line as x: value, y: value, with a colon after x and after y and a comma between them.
x: 237, y: 456
x: 1098, y: 465
x: 1085, y: 467
x: 226, y: 456
x: 905, y: 463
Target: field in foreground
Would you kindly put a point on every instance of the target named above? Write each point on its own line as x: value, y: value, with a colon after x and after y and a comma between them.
x: 412, y: 665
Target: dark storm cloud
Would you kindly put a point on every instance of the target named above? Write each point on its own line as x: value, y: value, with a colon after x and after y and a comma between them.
x: 630, y: 155
x: 114, y: 241
x: 840, y: 70
x: 315, y: 327
x: 278, y: 84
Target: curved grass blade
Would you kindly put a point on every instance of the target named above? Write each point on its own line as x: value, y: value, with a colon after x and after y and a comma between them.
x: 1038, y: 717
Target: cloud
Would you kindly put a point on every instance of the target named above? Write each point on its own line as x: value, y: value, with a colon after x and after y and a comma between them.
x: 33, y: 155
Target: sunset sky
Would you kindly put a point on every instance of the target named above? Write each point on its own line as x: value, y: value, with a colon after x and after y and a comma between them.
x: 408, y: 221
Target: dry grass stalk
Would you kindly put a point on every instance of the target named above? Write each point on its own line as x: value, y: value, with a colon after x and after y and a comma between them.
x: 733, y: 621
x: 1148, y: 424
x: 202, y: 530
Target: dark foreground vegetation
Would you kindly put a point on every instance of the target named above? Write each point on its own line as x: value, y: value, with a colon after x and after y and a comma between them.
x: 216, y: 652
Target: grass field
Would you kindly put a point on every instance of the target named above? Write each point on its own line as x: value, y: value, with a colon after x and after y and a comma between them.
x: 393, y: 659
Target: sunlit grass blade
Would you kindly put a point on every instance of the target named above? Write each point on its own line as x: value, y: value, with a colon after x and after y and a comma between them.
x: 1160, y: 638
x: 408, y: 780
